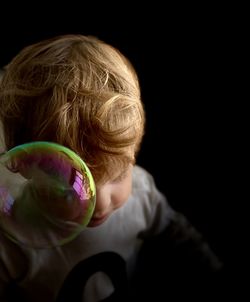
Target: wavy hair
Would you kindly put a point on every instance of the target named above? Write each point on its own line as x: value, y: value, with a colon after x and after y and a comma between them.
x: 77, y: 91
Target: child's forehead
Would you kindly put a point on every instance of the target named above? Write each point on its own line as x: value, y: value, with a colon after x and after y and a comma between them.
x: 112, y: 174
x: 115, y: 176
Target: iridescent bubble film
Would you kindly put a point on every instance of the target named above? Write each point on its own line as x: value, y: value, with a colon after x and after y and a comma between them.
x: 47, y: 194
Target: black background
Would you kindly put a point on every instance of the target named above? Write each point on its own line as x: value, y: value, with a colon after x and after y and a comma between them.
x: 187, y: 59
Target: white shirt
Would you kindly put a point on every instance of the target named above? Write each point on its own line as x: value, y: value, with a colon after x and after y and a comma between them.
x: 41, y: 272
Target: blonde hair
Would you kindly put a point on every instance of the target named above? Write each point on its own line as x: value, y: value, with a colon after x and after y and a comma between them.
x: 77, y: 91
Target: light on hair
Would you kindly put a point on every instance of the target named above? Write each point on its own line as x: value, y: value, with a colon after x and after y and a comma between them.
x: 79, y: 92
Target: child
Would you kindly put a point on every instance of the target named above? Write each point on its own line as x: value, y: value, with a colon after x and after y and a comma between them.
x: 84, y: 94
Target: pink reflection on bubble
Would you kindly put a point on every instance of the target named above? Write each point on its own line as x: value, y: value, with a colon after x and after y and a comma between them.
x: 79, y: 187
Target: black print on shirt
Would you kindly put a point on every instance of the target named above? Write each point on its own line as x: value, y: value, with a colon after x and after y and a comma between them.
x: 109, y: 263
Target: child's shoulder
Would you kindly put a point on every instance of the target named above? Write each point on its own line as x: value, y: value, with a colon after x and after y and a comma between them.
x: 142, y: 179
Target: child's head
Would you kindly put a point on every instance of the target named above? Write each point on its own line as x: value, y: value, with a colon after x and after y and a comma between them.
x: 79, y: 92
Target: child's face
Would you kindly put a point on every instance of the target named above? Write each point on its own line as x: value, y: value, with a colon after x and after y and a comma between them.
x: 111, y: 196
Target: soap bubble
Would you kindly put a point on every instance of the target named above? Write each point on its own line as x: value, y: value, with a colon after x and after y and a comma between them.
x: 47, y: 194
